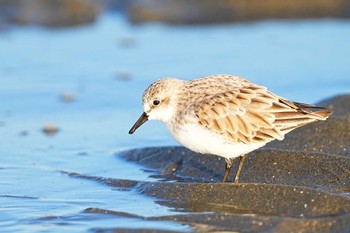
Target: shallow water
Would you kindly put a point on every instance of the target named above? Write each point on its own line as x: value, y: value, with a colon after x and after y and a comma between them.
x: 106, y: 66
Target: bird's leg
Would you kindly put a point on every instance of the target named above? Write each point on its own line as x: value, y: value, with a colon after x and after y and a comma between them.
x: 241, y: 161
x: 227, y: 169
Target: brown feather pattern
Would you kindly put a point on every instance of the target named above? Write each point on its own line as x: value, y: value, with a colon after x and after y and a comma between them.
x: 247, y: 113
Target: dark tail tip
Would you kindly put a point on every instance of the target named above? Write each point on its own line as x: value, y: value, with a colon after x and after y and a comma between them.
x: 324, y: 113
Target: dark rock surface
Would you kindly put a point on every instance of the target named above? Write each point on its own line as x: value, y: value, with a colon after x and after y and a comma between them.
x: 208, y: 11
x: 303, y: 186
x: 341, y: 105
x: 243, y: 207
x: 268, y: 166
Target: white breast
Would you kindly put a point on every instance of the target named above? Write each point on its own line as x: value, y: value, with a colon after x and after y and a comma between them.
x: 201, y: 140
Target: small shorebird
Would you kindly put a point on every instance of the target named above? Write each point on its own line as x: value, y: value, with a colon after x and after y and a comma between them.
x: 224, y: 115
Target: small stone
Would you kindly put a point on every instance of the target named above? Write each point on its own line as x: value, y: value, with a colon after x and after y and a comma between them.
x: 126, y: 42
x: 123, y: 76
x: 67, y: 97
x: 50, y: 129
x: 24, y: 133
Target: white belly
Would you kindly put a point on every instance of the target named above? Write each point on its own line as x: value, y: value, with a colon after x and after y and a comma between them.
x: 202, y: 140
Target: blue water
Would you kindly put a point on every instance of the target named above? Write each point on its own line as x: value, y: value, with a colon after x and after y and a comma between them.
x: 304, y: 61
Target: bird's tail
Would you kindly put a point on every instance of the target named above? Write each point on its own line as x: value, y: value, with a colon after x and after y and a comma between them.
x: 319, y: 113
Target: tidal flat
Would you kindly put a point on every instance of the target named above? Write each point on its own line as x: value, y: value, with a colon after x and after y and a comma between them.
x: 70, y: 95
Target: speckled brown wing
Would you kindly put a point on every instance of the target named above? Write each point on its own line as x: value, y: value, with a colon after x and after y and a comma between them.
x: 253, y: 114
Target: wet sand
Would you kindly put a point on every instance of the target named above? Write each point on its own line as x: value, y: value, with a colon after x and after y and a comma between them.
x: 298, y: 185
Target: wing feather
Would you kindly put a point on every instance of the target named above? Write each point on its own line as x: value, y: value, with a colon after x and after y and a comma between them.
x: 251, y: 113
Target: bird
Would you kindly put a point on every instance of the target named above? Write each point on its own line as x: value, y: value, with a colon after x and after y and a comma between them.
x: 224, y: 115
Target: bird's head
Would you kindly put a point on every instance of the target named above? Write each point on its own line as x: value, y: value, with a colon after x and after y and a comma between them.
x: 159, y: 101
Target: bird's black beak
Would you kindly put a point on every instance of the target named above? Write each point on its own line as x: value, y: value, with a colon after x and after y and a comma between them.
x: 143, y: 118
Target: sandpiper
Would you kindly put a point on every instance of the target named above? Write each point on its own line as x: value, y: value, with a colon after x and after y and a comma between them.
x: 224, y: 115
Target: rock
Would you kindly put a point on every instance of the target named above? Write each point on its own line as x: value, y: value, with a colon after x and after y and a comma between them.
x: 208, y: 11
x: 270, y: 166
x: 330, y: 137
x: 341, y: 105
x: 52, y: 13
x: 244, y: 207
x: 127, y: 42
x: 24, y: 133
x: 67, y: 97
x: 50, y: 129
x: 123, y: 76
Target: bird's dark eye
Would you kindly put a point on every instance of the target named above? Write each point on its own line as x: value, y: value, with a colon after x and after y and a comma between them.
x: 156, y: 102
